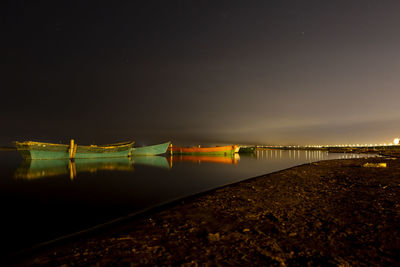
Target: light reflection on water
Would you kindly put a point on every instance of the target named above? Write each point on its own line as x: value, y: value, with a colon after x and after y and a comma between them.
x: 45, y: 199
x: 33, y: 169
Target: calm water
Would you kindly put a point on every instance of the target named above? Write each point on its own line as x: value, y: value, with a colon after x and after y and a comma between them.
x: 46, y: 199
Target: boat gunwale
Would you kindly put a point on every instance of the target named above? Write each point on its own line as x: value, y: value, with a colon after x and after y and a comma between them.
x: 169, y: 142
x: 107, y: 146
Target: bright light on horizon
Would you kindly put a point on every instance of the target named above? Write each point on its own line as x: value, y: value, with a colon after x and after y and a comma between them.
x: 395, y: 142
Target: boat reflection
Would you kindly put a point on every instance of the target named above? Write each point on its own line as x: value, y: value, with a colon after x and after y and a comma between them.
x: 33, y: 169
x: 154, y: 161
x: 229, y: 159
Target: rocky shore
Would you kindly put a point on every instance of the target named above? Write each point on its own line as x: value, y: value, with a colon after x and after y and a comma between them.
x: 326, y: 213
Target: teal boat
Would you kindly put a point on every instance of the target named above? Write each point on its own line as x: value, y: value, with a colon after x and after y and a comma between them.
x: 151, y: 150
x: 39, y: 150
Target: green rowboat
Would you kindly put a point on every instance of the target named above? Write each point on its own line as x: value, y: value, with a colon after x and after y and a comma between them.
x: 151, y: 150
x: 39, y: 150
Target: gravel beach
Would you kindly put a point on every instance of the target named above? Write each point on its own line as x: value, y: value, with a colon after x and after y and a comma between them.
x: 334, y: 212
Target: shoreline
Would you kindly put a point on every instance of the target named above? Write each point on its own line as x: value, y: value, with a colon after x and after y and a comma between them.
x: 278, y: 218
x: 134, y: 216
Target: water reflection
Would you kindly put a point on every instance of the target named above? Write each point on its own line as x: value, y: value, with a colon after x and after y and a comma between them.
x: 222, y: 159
x: 33, y: 169
x: 155, y: 161
x: 309, y: 155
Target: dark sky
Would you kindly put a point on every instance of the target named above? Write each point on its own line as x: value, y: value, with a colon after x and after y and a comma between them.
x: 266, y: 72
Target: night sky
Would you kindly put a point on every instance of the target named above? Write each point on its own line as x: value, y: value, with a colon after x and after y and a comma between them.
x: 201, y: 72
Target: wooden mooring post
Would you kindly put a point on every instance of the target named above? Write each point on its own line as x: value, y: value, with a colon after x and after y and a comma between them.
x: 72, y: 149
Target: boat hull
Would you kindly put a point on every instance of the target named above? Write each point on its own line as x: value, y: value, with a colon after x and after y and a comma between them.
x: 219, y: 150
x: 39, y: 150
x: 151, y: 150
x: 247, y: 149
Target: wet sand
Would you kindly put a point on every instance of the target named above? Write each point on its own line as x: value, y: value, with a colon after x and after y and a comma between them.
x: 327, y: 213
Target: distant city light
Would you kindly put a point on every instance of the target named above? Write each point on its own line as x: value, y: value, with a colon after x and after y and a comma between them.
x: 396, y: 141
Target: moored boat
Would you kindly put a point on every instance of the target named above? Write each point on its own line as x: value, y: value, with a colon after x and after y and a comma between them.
x: 151, y: 150
x: 218, y: 150
x: 40, y: 150
x: 249, y: 149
